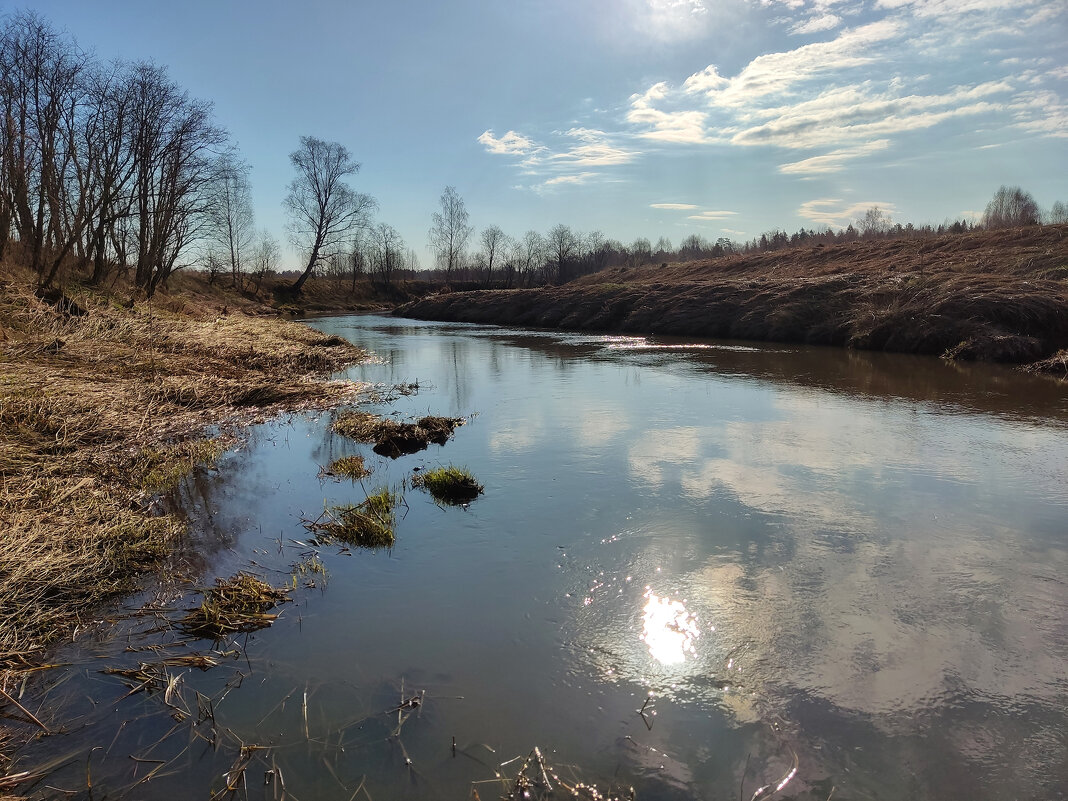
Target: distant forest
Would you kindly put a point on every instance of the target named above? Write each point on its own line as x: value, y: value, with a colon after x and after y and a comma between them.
x: 112, y: 170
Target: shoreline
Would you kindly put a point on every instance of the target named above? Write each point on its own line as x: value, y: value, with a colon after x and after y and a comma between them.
x: 104, y: 406
x: 992, y: 297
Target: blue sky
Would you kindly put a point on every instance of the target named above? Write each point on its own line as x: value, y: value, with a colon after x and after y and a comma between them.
x: 633, y: 117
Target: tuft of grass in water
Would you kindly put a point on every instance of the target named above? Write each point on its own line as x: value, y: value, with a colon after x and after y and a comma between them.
x: 239, y: 603
x: 161, y: 468
x: 350, y: 467
x: 451, y: 484
x: 369, y: 524
x: 395, y: 439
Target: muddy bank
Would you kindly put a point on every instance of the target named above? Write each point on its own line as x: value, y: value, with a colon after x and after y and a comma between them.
x: 979, y: 297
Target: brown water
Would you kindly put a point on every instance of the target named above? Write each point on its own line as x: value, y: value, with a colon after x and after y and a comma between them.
x: 859, y: 559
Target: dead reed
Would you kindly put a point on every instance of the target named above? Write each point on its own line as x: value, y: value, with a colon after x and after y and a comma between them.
x: 240, y: 603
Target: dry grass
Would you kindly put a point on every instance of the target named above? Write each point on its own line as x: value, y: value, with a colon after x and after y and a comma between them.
x: 351, y: 467
x: 237, y: 604
x: 98, y: 412
x: 997, y: 296
x: 395, y: 439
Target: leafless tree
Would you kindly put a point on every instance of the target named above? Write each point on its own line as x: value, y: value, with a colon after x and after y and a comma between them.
x: 323, y: 209
x: 109, y: 138
x: 562, y: 246
x: 493, y: 244
x: 1011, y: 207
x: 43, y: 105
x: 533, y: 256
x: 450, y: 231
x: 640, y: 252
x: 175, y: 144
x: 387, y: 253
x: 1058, y: 213
x: 264, y: 257
x: 663, y: 248
x: 875, y: 221
x: 231, y: 217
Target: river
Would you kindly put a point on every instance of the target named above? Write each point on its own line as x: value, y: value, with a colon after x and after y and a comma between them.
x: 695, y: 565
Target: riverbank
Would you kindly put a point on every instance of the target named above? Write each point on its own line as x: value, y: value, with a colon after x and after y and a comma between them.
x: 992, y: 296
x: 104, y: 405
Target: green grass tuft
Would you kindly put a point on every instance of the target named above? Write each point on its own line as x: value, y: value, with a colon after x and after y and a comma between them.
x: 367, y: 525
x: 452, y: 485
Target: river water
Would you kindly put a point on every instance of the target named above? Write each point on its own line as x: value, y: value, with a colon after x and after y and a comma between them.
x: 695, y: 565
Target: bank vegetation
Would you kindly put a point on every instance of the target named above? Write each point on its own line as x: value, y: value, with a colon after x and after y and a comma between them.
x: 105, y: 404
x: 994, y: 295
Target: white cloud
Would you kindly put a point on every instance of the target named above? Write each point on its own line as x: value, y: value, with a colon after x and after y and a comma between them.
x: 829, y: 211
x: 824, y: 22
x: 709, y: 216
x: 774, y: 74
x: 577, y: 178
x: 833, y: 161
x: 675, y: 206
x: 684, y: 127
x: 846, y: 114
x: 596, y: 150
x: 511, y: 143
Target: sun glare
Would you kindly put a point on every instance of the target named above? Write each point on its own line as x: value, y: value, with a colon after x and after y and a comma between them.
x: 668, y: 629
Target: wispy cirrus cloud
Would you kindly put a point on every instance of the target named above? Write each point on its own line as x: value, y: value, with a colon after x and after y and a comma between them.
x: 832, y: 212
x: 511, y: 144
x: 712, y: 216
x: 817, y: 24
x: 573, y: 162
x: 673, y: 206
x: 834, y: 161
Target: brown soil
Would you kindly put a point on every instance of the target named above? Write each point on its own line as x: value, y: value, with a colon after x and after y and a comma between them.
x: 993, y: 296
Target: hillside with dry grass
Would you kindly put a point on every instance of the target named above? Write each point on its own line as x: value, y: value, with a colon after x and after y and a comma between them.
x: 986, y: 295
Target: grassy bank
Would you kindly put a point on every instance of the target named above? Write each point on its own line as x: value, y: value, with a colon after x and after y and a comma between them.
x: 993, y: 296
x: 104, y: 404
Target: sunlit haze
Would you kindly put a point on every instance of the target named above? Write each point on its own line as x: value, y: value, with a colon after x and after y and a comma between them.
x: 633, y: 117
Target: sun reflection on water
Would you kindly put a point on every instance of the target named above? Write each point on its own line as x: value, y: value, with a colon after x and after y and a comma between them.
x: 668, y: 629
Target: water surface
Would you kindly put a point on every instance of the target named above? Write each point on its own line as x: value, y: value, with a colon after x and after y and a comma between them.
x: 770, y: 550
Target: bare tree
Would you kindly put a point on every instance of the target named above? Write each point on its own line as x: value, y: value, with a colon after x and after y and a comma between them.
x: 640, y: 252
x: 43, y: 106
x: 174, y: 144
x: 323, y: 209
x: 1011, y: 207
x: 232, y: 220
x: 663, y: 248
x: 387, y: 253
x: 493, y: 244
x: 533, y: 256
x: 264, y: 257
x: 450, y: 231
x: 1058, y: 213
x: 562, y: 246
x: 875, y: 221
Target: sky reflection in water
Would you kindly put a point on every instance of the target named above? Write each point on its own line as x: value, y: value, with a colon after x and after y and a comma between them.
x: 854, y: 557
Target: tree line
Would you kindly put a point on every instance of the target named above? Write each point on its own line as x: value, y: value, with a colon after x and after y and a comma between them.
x: 112, y: 168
